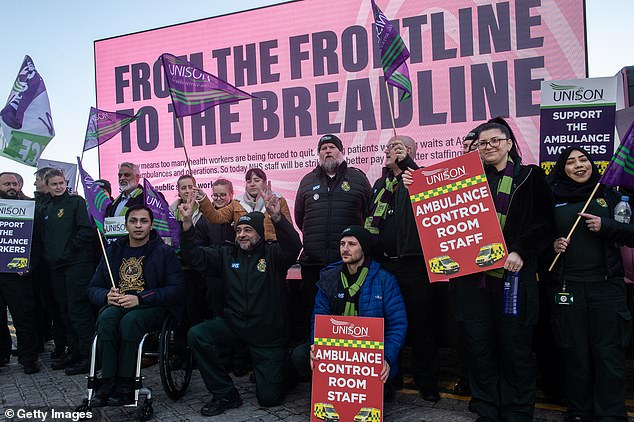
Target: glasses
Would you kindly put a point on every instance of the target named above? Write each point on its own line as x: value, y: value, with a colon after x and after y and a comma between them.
x: 493, y: 142
x: 219, y: 195
x: 124, y: 174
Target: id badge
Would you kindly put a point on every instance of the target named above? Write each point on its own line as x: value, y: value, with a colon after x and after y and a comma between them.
x: 563, y: 298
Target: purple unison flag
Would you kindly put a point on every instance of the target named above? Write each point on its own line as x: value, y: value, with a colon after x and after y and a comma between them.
x: 103, y: 125
x: 97, y: 200
x: 27, y: 86
x: 193, y: 90
x: 164, y: 220
x: 620, y: 171
x: 394, y: 53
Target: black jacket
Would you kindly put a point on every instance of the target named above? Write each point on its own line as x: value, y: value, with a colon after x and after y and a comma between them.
x: 613, y: 233
x: 65, y: 230
x: 322, y: 215
x: 399, y: 224
x: 529, y: 228
x: 164, y: 285
x: 253, y: 282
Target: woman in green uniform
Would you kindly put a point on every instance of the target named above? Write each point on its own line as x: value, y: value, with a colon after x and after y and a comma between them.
x: 591, y: 321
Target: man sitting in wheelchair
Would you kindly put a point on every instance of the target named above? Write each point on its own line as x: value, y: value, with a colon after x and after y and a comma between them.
x: 149, y: 283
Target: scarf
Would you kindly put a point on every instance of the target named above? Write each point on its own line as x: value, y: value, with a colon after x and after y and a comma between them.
x: 138, y: 191
x: 381, y: 202
x: 564, y: 188
x: 502, y: 200
x: 350, y: 300
x: 252, y: 204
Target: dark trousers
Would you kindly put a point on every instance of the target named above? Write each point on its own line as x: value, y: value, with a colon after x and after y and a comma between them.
x: 196, y: 297
x: 69, y: 287
x: 502, y: 377
x: 308, y: 288
x: 119, y: 332
x: 270, y: 364
x: 16, y: 293
x: 593, y: 332
x: 43, y: 284
x: 411, y: 275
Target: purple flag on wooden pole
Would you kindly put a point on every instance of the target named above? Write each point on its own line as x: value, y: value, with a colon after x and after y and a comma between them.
x: 620, y: 171
x: 394, y: 53
x: 164, y: 220
x: 193, y: 90
x: 96, y: 199
x: 103, y: 125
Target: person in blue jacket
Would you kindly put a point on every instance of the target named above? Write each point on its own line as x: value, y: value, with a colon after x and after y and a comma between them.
x: 358, y: 286
x: 149, y: 283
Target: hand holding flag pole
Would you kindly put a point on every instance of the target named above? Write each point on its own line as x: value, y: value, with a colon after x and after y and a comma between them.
x: 193, y: 91
x: 620, y: 172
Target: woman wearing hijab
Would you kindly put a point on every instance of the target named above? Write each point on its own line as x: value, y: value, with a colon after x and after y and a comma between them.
x: 591, y: 321
x: 498, y: 344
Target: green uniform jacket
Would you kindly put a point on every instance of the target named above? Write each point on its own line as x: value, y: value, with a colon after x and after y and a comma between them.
x: 253, y: 282
x: 65, y: 230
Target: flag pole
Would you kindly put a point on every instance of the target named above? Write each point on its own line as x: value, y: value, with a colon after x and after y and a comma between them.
x: 389, y: 103
x: 105, y: 257
x: 79, y: 175
x: 180, y: 131
x: 576, y: 223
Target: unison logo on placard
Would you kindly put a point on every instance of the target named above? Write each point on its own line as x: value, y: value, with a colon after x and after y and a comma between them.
x: 11, y: 210
x: 443, y: 174
x: 570, y: 93
x: 349, y: 329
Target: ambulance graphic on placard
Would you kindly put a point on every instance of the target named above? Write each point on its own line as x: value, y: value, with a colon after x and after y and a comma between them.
x: 326, y: 412
x: 490, y: 254
x: 443, y: 265
x: 368, y: 414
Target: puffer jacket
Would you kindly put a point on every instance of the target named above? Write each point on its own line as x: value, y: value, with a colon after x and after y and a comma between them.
x: 379, y: 297
x: 322, y: 215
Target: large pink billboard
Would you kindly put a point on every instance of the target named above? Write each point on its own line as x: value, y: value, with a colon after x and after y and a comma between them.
x: 314, y: 67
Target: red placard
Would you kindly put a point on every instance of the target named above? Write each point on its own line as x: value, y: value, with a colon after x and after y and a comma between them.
x: 346, y: 377
x: 456, y: 219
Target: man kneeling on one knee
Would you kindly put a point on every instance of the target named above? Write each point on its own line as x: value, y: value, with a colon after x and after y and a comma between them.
x: 149, y: 283
x: 358, y: 286
x: 252, y: 273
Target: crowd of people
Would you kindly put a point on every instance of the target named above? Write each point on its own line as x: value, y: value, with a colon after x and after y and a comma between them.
x: 360, y: 256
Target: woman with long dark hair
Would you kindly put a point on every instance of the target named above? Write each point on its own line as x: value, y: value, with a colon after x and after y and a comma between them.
x: 498, y: 342
x: 591, y: 322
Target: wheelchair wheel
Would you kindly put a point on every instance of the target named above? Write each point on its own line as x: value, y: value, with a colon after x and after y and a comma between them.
x: 145, y: 411
x: 175, y: 359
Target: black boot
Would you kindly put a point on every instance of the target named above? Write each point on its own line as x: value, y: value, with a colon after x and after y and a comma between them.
x: 219, y: 405
x: 102, y: 395
x: 122, y: 393
x: 82, y: 366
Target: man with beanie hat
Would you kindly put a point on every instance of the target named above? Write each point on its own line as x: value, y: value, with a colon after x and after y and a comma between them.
x: 255, y: 310
x: 329, y: 198
x: 358, y: 286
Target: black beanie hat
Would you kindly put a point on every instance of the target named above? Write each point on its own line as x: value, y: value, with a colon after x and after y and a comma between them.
x: 330, y: 139
x: 363, y: 237
x: 254, y: 219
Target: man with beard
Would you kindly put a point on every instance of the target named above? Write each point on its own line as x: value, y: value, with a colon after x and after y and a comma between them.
x: 253, y: 273
x: 330, y: 198
x: 391, y: 221
x: 16, y: 293
x: 131, y: 191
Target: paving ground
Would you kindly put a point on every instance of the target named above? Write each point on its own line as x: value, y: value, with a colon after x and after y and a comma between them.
x: 53, y: 390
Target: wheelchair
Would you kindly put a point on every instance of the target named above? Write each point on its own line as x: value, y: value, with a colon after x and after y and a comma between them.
x: 175, y: 367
